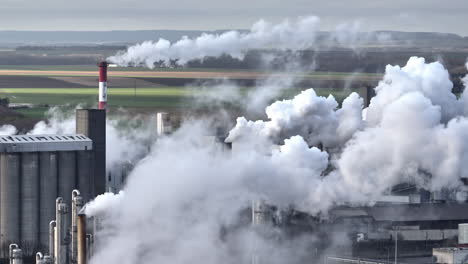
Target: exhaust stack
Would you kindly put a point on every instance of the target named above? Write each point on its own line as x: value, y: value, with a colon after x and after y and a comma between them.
x: 81, y: 239
x: 77, y: 205
x: 102, y: 84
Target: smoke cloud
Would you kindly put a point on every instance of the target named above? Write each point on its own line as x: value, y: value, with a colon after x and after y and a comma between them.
x: 297, y: 34
x: 178, y: 206
x: 7, y: 130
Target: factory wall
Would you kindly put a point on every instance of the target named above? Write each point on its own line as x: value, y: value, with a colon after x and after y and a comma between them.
x: 92, y: 123
x: 29, y: 184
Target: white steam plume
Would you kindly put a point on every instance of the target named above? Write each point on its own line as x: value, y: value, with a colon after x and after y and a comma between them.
x: 298, y: 34
x: 57, y: 122
x: 103, y: 203
x: 128, y: 139
x: 8, y: 130
x: 177, y: 213
x: 182, y: 196
x: 313, y: 117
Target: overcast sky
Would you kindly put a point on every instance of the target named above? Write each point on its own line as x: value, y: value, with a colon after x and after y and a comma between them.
x: 406, y: 15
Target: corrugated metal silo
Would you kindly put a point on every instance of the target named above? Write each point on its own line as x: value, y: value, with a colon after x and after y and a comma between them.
x: 66, y: 174
x: 85, y: 175
x: 29, y: 225
x: 9, y: 198
x: 48, y: 186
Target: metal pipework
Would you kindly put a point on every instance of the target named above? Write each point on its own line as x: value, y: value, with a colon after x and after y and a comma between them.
x: 41, y: 259
x: 259, y: 212
x: 10, y: 251
x: 81, y: 239
x: 89, y: 245
x: 47, y: 260
x: 52, y: 226
x: 60, y: 231
x: 259, y: 218
x: 16, y: 256
x: 77, y: 205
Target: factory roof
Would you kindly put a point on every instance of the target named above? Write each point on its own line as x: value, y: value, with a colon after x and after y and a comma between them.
x: 406, y: 212
x: 38, y: 143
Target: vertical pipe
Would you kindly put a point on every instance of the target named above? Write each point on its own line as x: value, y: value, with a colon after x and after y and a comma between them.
x: 81, y: 239
x: 163, y: 125
x: 39, y: 258
x: 89, y: 245
x: 258, y: 219
x: 52, y: 226
x: 77, y: 205
x: 48, y: 260
x: 17, y: 256
x: 102, y: 85
x: 10, y: 251
x: 396, y: 246
x: 60, y: 231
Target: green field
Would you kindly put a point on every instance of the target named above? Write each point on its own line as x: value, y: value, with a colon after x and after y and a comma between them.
x: 167, y: 97
x: 121, y: 97
x: 93, y: 68
x: 162, y: 97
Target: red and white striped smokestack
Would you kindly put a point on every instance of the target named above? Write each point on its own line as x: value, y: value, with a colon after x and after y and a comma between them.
x: 102, y: 84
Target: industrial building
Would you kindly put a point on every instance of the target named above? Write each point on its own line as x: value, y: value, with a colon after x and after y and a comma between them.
x: 36, y: 169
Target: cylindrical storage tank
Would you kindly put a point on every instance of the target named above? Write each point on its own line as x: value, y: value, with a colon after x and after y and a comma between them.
x: 9, y: 198
x: 48, y: 192
x: 463, y: 234
x: 85, y: 174
x: 29, y: 225
x: 66, y: 175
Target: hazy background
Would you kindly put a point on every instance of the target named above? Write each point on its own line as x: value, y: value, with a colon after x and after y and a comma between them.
x: 415, y: 15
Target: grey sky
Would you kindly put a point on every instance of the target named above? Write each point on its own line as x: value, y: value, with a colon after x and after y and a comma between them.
x: 406, y: 15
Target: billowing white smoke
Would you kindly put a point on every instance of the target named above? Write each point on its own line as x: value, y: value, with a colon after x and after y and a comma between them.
x: 7, y: 130
x: 182, y: 196
x: 58, y: 122
x: 176, y: 203
x: 298, y: 34
x: 122, y: 148
x: 431, y: 80
x: 313, y: 117
x: 103, y: 203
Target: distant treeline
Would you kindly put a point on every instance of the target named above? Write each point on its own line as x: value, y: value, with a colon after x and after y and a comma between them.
x: 69, y: 48
x: 335, y: 60
x: 338, y: 60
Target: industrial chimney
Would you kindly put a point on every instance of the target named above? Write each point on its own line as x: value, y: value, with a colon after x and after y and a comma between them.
x: 102, y: 84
